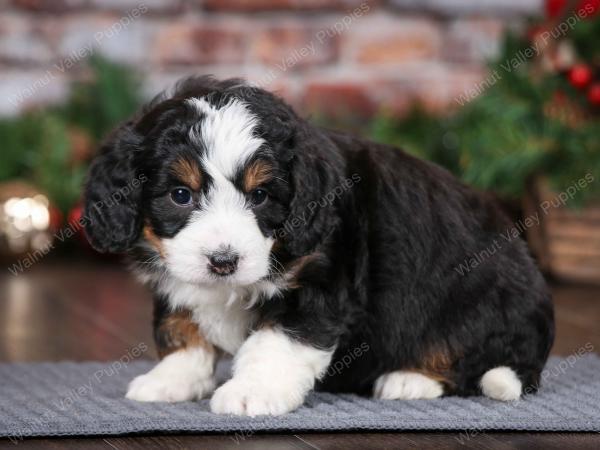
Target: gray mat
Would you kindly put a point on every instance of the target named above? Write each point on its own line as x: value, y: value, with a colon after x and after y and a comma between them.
x: 57, y: 399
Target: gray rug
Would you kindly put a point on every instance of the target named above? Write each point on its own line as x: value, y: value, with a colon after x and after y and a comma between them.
x: 58, y: 399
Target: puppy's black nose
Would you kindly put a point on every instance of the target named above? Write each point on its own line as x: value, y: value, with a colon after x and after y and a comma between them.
x: 223, y: 262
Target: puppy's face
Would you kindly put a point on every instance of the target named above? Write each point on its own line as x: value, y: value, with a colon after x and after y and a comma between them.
x: 216, y: 192
x: 224, y: 168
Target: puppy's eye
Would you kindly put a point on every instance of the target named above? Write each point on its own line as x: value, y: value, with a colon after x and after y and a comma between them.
x: 181, y: 196
x: 258, y: 196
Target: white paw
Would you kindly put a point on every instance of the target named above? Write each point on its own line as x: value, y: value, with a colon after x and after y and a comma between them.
x: 181, y: 376
x: 502, y: 384
x: 245, y: 398
x: 153, y: 387
x: 406, y: 386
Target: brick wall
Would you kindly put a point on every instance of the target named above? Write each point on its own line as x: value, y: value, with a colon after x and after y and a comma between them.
x: 339, y: 57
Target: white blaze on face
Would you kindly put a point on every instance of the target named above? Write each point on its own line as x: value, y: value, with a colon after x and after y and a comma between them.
x: 224, y: 219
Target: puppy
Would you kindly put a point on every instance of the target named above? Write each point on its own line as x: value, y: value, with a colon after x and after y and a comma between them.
x: 315, y: 258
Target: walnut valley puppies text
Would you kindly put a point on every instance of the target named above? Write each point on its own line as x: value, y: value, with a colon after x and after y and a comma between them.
x: 327, y: 201
x: 519, y: 227
x: 75, y: 226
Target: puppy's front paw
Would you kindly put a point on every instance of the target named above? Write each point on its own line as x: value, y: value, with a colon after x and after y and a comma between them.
x: 161, y: 387
x: 249, y: 398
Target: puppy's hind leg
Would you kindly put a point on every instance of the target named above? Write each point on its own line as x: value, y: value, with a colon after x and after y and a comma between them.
x: 407, y: 385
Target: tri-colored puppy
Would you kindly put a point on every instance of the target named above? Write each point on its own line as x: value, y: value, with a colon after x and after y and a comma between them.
x: 290, y: 246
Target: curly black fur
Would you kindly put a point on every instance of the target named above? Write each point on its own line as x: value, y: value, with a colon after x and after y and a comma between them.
x: 376, y: 260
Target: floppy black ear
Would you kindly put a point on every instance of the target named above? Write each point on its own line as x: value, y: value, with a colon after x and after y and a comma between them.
x: 316, y: 177
x: 113, y: 191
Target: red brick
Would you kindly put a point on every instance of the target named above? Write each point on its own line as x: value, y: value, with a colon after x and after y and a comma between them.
x: 393, y: 96
x: 199, y: 44
x: 432, y: 86
x: 343, y: 100
x: 273, y: 5
x: 292, y: 47
x: 384, y: 40
x: 441, y: 91
x: 120, y: 40
x: 22, y: 40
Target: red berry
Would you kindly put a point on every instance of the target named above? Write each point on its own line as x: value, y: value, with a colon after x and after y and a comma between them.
x: 56, y: 217
x: 588, y: 8
x: 580, y: 75
x: 75, y: 214
x: 554, y: 7
x: 594, y: 94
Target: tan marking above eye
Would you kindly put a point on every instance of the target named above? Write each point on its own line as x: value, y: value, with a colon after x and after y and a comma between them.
x: 257, y: 173
x: 188, y: 172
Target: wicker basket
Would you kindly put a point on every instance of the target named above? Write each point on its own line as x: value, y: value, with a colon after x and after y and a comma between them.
x: 567, y: 241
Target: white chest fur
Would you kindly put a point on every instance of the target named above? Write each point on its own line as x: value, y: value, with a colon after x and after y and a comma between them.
x: 224, y: 324
x: 221, y: 312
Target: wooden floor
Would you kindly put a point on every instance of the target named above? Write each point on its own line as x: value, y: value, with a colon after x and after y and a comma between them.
x: 80, y: 312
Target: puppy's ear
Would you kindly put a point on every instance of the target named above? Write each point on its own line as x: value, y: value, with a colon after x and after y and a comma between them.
x: 113, y: 193
x: 314, y: 174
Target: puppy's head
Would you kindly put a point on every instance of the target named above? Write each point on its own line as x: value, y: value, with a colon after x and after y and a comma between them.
x: 199, y: 184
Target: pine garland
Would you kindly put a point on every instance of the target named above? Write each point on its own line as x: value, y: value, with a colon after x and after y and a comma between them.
x: 533, y: 121
x: 44, y: 148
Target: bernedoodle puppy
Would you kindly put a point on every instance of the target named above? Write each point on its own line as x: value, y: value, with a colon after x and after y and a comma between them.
x: 315, y: 258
